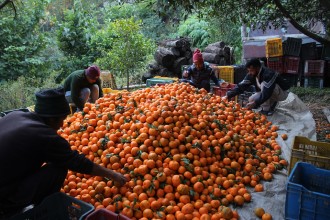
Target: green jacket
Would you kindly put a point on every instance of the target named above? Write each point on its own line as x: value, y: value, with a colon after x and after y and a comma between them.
x: 75, y: 82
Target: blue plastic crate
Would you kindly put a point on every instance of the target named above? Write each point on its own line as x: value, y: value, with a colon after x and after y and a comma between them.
x: 308, y: 193
x: 57, y: 206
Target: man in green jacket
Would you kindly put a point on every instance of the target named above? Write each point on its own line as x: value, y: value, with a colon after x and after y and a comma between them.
x: 82, y: 86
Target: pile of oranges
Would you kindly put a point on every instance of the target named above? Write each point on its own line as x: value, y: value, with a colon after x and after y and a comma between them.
x: 187, y: 154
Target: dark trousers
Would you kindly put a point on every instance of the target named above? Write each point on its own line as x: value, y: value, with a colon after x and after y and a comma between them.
x: 31, y: 190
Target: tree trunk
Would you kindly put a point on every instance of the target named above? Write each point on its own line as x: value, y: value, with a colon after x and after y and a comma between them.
x: 164, y: 72
x: 154, y: 67
x: 146, y: 76
x: 175, y: 51
x: 164, y: 57
x: 188, y: 54
x: 177, y: 43
x: 172, y: 43
x: 127, y: 74
x: 212, y: 49
x: 211, y: 57
x: 219, y: 44
x: 176, y: 69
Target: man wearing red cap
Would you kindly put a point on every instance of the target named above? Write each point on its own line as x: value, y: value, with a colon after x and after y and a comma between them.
x: 200, y: 73
x: 82, y: 86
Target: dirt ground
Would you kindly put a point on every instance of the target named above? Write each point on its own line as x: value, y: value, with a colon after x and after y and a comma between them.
x: 316, y: 104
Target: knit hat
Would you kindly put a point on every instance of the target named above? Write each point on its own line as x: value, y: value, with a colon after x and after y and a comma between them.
x: 93, y: 72
x: 198, y: 57
x: 51, y: 103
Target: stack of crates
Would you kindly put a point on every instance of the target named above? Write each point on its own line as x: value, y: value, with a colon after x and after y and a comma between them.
x: 283, y: 57
x: 314, y: 73
x: 308, y: 187
x: 308, y: 52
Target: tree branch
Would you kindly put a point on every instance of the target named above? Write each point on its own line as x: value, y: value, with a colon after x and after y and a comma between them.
x: 298, y: 26
x: 3, y: 4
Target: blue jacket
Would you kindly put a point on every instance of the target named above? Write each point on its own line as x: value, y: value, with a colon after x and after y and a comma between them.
x: 198, y: 76
x: 268, y: 76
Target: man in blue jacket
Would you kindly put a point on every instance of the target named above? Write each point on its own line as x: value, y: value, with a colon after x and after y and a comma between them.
x: 200, y: 73
x: 270, y: 87
x: 34, y: 159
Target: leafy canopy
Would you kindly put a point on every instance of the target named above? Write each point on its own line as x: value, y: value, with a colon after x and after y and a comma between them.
x: 261, y: 13
x: 123, y: 47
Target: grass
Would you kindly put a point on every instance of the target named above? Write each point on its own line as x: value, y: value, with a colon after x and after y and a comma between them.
x: 312, y: 94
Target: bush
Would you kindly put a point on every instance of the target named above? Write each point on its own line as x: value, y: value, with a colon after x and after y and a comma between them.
x: 20, y: 93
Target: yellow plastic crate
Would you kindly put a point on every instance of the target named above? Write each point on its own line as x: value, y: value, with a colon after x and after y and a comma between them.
x: 226, y: 73
x: 108, y: 80
x: 274, y: 47
x: 313, y: 152
x: 109, y: 90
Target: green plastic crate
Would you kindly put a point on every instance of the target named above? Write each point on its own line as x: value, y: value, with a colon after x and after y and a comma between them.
x: 154, y: 81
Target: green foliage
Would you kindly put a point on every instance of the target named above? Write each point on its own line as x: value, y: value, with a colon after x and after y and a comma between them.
x: 124, y: 48
x: 197, y: 30
x: 153, y: 26
x: 227, y: 31
x: 260, y: 13
x: 22, y: 42
x: 74, y: 36
x: 19, y: 93
x: 312, y: 93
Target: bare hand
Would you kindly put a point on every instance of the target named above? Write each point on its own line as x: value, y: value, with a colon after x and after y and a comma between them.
x: 185, y: 73
x: 250, y: 105
x: 119, y: 179
x: 224, y: 98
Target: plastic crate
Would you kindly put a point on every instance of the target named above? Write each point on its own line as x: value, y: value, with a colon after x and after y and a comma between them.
x: 275, y: 63
x: 274, y: 47
x: 108, y: 80
x: 291, y: 64
x: 222, y: 91
x: 292, y: 46
x: 57, y: 206
x: 109, y: 90
x: 314, y: 152
x: 314, y: 68
x: 308, y: 193
x: 243, y: 98
x: 226, y: 73
x: 313, y: 82
x: 105, y: 214
x: 327, y: 74
x: 308, y: 51
x: 239, y: 73
x: 102, y: 214
x: 155, y: 81
x: 292, y: 79
x: 326, y: 52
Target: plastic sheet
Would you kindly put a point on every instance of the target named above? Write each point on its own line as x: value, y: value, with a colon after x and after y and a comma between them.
x: 293, y: 118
